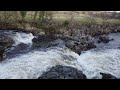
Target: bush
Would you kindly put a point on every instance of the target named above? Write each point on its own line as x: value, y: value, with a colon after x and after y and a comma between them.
x: 66, y: 23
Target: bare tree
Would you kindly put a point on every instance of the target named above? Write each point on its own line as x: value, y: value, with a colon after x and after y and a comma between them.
x: 23, y: 15
x: 35, y: 15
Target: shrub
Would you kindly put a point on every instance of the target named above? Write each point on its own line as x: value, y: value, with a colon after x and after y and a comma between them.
x: 66, y: 23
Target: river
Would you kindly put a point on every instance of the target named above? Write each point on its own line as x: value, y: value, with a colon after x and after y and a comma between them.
x: 31, y: 64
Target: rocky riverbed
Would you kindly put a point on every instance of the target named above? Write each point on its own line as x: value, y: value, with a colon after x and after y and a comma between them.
x: 45, y: 57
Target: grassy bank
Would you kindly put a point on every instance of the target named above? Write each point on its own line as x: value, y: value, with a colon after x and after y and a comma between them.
x: 87, y: 20
x: 59, y: 16
x: 62, y: 22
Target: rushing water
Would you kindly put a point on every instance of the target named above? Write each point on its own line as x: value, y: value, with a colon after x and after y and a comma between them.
x: 112, y: 44
x: 32, y: 64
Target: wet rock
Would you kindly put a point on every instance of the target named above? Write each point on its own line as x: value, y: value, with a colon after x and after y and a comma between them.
x: 21, y: 47
x: 42, y: 38
x: 77, y: 46
x: 118, y: 47
x: 51, y: 75
x: 6, y: 41
x: 107, y: 76
x: 77, y: 49
x: 104, y: 39
x: 63, y: 72
x: 2, y: 53
x: 43, y: 41
x: 90, y: 45
x: 57, y: 42
x: 73, y: 45
x: 70, y: 44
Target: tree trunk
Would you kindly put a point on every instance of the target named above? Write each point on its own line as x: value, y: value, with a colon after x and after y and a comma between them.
x: 36, y: 12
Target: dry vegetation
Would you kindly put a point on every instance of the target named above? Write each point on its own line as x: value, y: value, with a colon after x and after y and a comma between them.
x: 60, y: 21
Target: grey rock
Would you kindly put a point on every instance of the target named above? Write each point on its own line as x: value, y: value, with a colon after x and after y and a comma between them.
x: 77, y: 46
x: 6, y: 41
x: 107, y: 76
x: 2, y: 53
x: 104, y: 39
x: 62, y: 72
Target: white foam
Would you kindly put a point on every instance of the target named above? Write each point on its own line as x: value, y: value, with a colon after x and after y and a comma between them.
x: 23, y: 38
x: 107, y: 61
x: 33, y: 64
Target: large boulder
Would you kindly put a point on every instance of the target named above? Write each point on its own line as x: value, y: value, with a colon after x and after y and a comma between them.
x: 63, y: 72
x: 43, y: 41
x: 6, y: 41
x: 75, y: 45
x: 42, y: 38
x: 107, y: 76
x: 78, y: 47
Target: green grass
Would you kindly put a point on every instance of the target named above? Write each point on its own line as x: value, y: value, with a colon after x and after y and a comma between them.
x: 62, y: 16
x: 83, y: 18
x: 86, y: 20
x: 115, y: 21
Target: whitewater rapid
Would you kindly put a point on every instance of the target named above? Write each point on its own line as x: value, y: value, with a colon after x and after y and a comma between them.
x: 22, y: 38
x: 32, y: 64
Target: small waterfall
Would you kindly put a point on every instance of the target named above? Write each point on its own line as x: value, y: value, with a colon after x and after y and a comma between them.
x: 31, y: 65
x: 18, y: 37
x: 23, y: 38
x: 23, y: 42
x: 34, y: 63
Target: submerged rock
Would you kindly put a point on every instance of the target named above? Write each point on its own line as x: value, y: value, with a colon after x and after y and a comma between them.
x: 104, y: 39
x: 21, y: 46
x: 63, y: 72
x: 2, y: 53
x: 107, y: 76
